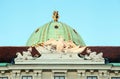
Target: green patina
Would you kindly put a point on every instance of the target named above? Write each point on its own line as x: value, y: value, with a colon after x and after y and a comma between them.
x: 3, y: 64
x: 115, y: 64
x: 55, y: 30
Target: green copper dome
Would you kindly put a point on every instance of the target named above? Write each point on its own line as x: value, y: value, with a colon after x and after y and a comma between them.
x: 54, y: 29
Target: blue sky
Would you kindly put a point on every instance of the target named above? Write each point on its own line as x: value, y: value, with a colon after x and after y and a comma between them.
x: 97, y: 21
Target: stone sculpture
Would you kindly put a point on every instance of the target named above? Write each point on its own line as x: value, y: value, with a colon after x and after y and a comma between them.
x: 59, y: 46
x: 76, y: 49
x: 19, y: 56
x: 55, y: 16
x: 26, y: 55
x: 94, y: 56
x: 61, y: 49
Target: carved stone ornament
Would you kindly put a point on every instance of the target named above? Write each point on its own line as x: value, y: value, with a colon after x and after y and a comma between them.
x: 60, y: 50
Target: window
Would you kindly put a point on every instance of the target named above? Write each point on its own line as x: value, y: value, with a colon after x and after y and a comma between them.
x: 56, y: 26
x: 26, y: 77
x: 59, y: 77
x: 115, y: 77
x: 3, y: 77
x: 91, y: 77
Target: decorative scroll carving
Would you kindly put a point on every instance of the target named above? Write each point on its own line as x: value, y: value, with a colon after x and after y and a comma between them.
x: 26, y: 55
x: 94, y: 56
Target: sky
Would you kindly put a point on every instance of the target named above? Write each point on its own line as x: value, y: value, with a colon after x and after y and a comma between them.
x: 97, y: 21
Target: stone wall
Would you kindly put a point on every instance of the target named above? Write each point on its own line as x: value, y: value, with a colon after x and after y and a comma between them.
x: 78, y: 74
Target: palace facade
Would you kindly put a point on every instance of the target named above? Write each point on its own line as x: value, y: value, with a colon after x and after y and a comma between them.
x: 57, y: 51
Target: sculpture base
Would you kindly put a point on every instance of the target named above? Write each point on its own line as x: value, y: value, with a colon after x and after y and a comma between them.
x: 58, y: 61
x: 58, y: 58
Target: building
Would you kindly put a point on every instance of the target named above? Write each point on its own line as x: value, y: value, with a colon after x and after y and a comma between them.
x: 57, y: 51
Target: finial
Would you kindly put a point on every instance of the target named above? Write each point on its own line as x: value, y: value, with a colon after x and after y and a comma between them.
x: 55, y: 16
